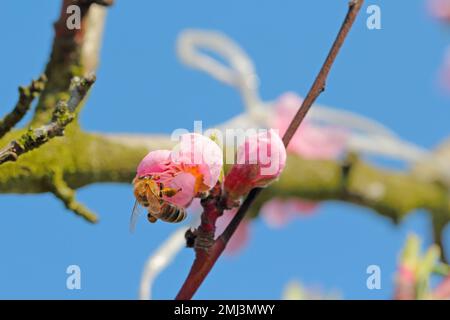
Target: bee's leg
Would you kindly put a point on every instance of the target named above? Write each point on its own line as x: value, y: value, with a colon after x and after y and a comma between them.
x: 161, y: 187
x: 169, y: 192
x: 203, y: 194
x: 151, y: 218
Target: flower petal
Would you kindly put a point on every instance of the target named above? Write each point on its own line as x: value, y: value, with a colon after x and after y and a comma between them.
x: 154, y: 162
x: 195, y: 150
x: 186, y: 183
x: 260, y: 161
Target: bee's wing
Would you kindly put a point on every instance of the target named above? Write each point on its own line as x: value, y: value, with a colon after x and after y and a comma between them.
x: 134, y: 215
x: 154, y: 201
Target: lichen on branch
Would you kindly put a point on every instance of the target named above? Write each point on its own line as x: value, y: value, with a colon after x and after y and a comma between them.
x: 63, y: 114
x: 26, y: 97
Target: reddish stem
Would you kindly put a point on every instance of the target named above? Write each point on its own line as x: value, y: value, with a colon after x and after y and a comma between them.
x: 212, y: 210
x: 203, y: 263
x: 205, y: 259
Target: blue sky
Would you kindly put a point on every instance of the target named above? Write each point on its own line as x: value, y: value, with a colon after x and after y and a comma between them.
x: 389, y: 75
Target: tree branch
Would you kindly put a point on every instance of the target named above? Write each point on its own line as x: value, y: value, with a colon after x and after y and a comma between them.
x: 88, y: 158
x: 26, y: 97
x: 68, y: 58
x: 205, y: 259
x: 105, y: 3
x: 63, y: 114
x: 67, y: 195
x: 319, y: 83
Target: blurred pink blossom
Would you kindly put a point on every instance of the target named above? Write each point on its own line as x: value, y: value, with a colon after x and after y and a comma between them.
x: 445, y: 71
x: 405, y: 283
x: 278, y: 212
x: 240, y: 236
x: 440, y: 9
x: 260, y: 161
x: 310, y: 141
x: 193, y: 166
x: 442, y: 291
x: 406, y: 274
x: 275, y: 213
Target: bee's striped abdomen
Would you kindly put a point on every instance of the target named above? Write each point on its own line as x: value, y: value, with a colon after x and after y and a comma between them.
x: 172, y: 213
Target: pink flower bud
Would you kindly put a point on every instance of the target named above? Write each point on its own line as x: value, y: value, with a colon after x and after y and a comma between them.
x: 193, y: 166
x: 260, y: 161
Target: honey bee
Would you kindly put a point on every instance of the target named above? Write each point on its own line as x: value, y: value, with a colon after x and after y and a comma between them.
x: 149, y: 194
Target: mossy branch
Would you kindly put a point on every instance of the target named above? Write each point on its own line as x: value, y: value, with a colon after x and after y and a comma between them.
x: 87, y: 158
x: 26, y: 96
x: 391, y: 193
x: 67, y: 195
x: 63, y: 114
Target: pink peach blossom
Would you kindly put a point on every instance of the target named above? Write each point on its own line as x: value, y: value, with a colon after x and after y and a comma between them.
x: 154, y: 162
x: 197, y: 152
x: 193, y: 166
x: 260, y: 161
x: 440, y: 9
x: 278, y: 212
x: 310, y: 141
x: 240, y: 236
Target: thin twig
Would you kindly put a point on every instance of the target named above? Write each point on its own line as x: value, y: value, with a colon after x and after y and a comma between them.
x: 26, y: 97
x: 205, y: 260
x: 63, y: 114
x: 319, y: 84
